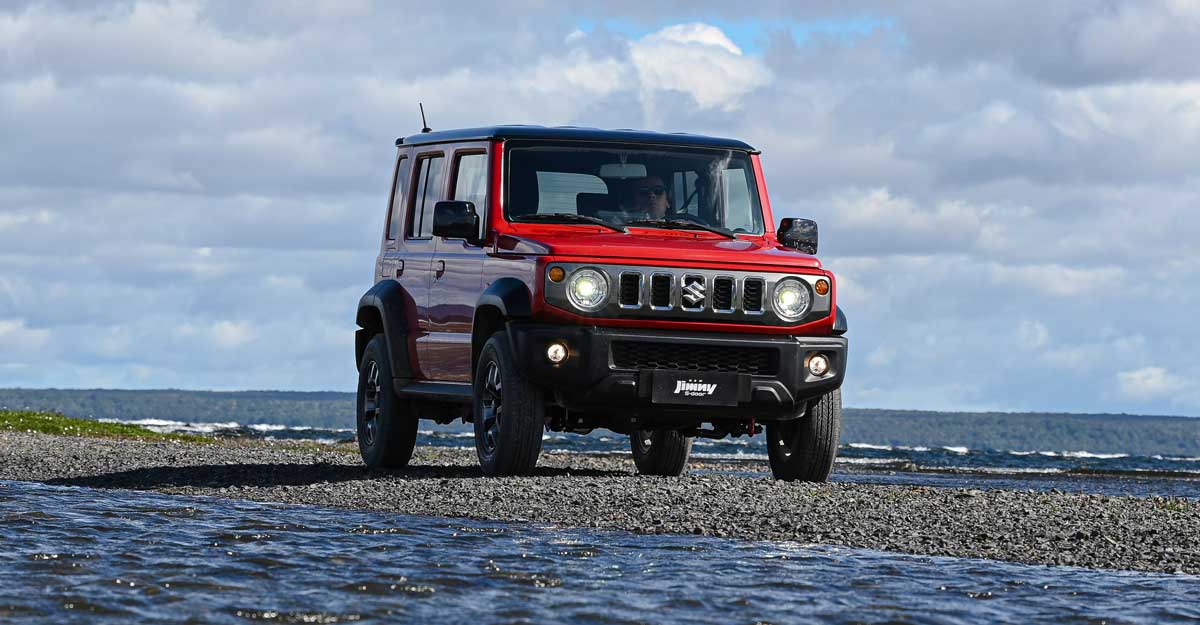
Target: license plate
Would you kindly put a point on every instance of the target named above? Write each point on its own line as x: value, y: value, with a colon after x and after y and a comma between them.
x: 687, y: 387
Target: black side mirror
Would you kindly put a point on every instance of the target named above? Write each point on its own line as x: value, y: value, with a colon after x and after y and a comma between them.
x: 799, y: 234
x: 456, y: 220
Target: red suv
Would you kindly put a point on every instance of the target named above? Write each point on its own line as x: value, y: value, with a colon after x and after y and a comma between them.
x: 566, y: 279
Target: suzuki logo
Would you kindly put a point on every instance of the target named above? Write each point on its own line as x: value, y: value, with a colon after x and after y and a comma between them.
x: 694, y: 293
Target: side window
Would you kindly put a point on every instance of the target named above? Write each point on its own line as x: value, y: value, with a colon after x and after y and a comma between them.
x: 470, y: 184
x: 738, y: 210
x: 558, y: 191
x: 430, y: 174
x: 399, y: 195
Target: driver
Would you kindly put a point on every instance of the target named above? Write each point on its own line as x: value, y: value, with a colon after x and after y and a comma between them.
x: 650, y: 198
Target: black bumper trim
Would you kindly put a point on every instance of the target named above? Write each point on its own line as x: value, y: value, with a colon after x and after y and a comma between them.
x: 587, y: 381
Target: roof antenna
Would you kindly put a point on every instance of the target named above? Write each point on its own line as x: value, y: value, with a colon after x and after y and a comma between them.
x: 424, y: 125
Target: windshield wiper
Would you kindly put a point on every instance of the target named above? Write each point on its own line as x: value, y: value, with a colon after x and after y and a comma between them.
x: 680, y: 224
x: 568, y: 218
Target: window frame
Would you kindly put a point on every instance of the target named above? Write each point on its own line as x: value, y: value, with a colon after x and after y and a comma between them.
x: 452, y: 183
x: 412, y: 229
x: 753, y: 182
x: 402, y: 160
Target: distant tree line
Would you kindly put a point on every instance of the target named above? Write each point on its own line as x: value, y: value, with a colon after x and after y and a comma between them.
x: 1103, y: 433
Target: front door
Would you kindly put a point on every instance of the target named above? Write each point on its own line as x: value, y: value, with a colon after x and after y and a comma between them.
x: 456, y: 276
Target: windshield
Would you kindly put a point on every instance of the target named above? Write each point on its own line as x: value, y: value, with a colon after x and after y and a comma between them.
x: 654, y: 187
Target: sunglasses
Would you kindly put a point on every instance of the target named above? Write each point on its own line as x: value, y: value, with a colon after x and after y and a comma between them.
x: 655, y: 190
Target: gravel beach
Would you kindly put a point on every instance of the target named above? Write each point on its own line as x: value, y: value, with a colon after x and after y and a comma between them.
x: 1148, y: 534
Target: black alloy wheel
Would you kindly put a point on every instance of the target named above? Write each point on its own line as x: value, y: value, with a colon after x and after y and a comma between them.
x: 387, y: 425
x: 804, y: 449
x: 660, y: 452
x: 509, y: 412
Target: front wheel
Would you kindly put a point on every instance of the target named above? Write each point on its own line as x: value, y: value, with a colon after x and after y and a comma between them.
x: 803, y: 449
x: 660, y: 452
x: 509, y: 412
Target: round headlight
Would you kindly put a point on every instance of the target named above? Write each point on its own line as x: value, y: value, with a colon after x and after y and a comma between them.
x: 587, y: 289
x: 791, y: 298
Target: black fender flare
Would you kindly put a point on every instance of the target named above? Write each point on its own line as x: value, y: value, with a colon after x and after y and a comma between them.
x: 513, y: 301
x: 839, y: 323
x: 510, y: 295
x: 394, y: 306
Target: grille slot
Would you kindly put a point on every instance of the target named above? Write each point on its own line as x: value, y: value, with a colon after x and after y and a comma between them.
x: 644, y: 355
x: 722, y: 296
x: 660, y: 290
x: 752, y: 295
x: 631, y: 290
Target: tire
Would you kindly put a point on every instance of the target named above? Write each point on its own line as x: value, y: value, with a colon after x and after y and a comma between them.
x: 509, y: 412
x: 803, y: 449
x: 387, y: 425
x: 660, y: 452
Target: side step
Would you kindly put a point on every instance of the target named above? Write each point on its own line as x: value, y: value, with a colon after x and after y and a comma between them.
x: 450, y: 392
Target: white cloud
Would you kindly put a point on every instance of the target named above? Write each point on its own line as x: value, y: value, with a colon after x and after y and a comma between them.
x: 231, y: 334
x: 1032, y: 334
x: 1057, y: 280
x: 17, y: 337
x: 1149, y: 383
x: 698, y: 60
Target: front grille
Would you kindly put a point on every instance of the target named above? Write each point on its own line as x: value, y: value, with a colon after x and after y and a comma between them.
x: 660, y: 291
x: 752, y: 293
x: 631, y: 290
x: 644, y: 355
x: 723, y: 294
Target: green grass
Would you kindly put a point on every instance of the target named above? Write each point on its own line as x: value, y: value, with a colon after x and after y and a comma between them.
x: 54, y: 423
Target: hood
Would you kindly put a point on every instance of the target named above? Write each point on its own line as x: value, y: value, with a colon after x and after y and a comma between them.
x: 645, y: 246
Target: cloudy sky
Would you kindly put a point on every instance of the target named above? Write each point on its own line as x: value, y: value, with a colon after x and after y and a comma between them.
x: 191, y: 193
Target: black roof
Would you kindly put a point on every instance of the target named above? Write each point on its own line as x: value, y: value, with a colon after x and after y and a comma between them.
x: 573, y: 133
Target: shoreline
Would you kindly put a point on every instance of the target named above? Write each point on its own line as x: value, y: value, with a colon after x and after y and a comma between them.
x: 1052, y: 528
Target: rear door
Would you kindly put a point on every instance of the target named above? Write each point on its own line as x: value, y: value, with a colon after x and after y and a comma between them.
x: 428, y: 187
x: 456, y: 275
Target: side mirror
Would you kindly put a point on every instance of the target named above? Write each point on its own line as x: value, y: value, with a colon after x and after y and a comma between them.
x: 456, y: 220
x: 799, y: 234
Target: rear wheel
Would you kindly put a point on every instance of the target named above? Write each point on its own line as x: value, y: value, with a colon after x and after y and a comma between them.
x: 509, y: 412
x: 660, y: 452
x: 803, y: 449
x: 387, y: 425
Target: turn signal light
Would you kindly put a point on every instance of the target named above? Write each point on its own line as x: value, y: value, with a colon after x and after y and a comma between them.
x: 821, y: 287
x: 557, y: 274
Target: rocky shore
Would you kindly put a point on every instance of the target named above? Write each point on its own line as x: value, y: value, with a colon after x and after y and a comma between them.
x: 1148, y: 534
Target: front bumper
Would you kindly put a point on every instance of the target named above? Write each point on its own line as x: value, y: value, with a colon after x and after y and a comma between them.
x: 772, y: 379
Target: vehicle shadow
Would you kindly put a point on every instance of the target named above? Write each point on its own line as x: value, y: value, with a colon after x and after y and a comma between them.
x: 288, y: 474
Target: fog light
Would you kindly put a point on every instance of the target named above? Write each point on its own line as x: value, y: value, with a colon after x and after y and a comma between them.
x: 818, y: 365
x: 556, y: 353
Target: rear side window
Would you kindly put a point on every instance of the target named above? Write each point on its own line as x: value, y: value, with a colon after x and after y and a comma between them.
x: 470, y: 184
x: 430, y: 179
x: 399, y: 195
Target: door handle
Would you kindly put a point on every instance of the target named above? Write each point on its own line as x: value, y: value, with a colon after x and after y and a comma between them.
x: 441, y: 267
